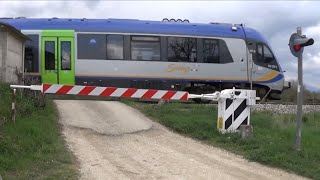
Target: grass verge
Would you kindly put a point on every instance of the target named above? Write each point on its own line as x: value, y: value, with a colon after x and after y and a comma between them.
x: 33, y: 147
x: 272, y: 143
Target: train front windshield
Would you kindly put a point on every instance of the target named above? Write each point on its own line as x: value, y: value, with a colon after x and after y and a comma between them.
x: 265, y: 58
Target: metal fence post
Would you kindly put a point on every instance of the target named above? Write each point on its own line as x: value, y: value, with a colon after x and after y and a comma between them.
x: 13, y: 105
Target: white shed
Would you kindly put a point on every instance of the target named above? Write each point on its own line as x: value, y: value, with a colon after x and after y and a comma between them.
x: 11, y: 52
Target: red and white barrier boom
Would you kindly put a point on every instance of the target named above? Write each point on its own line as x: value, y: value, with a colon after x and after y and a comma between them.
x: 233, y: 104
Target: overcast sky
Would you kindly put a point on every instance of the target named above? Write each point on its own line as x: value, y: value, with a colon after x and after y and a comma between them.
x: 275, y: 20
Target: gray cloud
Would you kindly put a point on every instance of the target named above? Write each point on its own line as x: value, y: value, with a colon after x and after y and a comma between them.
x: 92, y: 4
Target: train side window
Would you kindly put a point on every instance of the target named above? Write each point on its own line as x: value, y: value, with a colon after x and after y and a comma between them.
x: 211, y: 51
x: 31, y: 58
x: 115, y: 47
x: 182, y: 49
x: 92, y: 46
x: 225, y: 55
x: 145, y: 48
x: 216, y: 51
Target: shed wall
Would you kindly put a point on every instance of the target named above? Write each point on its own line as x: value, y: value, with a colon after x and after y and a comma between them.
x: 14, y: 57
x: 3, y: 54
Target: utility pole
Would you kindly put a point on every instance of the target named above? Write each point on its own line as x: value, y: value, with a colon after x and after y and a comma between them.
x: 296, y: 43
x: 300, y: 98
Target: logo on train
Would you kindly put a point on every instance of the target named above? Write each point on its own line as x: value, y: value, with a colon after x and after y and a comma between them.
x: 178, y: 68
x: 92, y: 41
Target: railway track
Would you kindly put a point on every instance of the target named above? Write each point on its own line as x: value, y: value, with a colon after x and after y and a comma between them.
x: 287, y: 103
x: 276, y: 107
x: 192, y: 102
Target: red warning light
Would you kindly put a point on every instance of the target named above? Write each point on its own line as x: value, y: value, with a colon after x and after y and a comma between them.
x: 297, y: 47
x: 298, y: 42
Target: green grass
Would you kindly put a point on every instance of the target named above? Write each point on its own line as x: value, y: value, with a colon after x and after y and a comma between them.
x: 273, y: 135
x: 33, y: 147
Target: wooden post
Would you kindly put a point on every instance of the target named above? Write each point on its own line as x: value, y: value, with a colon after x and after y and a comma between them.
x: 13, y: 107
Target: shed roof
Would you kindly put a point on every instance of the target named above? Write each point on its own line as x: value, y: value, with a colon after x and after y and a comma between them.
x: 14, y: 30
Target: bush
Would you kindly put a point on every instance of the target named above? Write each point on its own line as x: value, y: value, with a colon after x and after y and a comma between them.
x: 36, y: 97
x: 32, y: 148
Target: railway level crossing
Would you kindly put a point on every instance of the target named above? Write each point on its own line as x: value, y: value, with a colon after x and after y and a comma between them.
x: 234, y: 105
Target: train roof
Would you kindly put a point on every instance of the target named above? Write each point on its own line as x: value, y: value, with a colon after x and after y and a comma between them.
x: 135, y: 26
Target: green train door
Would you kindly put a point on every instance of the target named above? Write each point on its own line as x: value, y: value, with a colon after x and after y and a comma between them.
x: 57, y: 57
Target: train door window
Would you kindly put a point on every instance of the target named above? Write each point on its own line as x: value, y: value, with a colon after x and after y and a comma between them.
x: 211, y: 51
x: 92, y: 46
x: 65, y: 55
x: 145, y: 48
x: 50, y: 55
x: 115, y: 46
x: 182, y: 49
x: 31, y: 58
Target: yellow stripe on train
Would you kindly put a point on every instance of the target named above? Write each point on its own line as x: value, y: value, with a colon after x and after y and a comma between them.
x: 268, y: 77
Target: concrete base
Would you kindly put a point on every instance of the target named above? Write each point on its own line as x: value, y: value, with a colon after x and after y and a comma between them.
x: 246, y: 131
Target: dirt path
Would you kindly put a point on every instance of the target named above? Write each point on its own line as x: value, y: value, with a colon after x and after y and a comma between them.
x: 114, y: 141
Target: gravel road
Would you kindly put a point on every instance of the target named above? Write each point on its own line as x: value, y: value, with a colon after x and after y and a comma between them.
x: 114, y: 141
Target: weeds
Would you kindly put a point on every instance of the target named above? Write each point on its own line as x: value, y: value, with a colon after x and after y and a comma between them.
x: 32, y: 148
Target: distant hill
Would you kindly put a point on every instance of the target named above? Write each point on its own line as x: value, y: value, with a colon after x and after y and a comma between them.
x: 290, y: 95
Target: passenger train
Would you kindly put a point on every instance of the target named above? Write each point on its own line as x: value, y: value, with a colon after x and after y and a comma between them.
x: 199, y: 58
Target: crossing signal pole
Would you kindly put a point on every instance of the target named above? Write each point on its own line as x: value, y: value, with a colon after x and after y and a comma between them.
x: 297, y: 43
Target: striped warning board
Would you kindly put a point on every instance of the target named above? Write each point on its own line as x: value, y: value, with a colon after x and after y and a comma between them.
x: 233, y: 113
x: 114, y: 92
